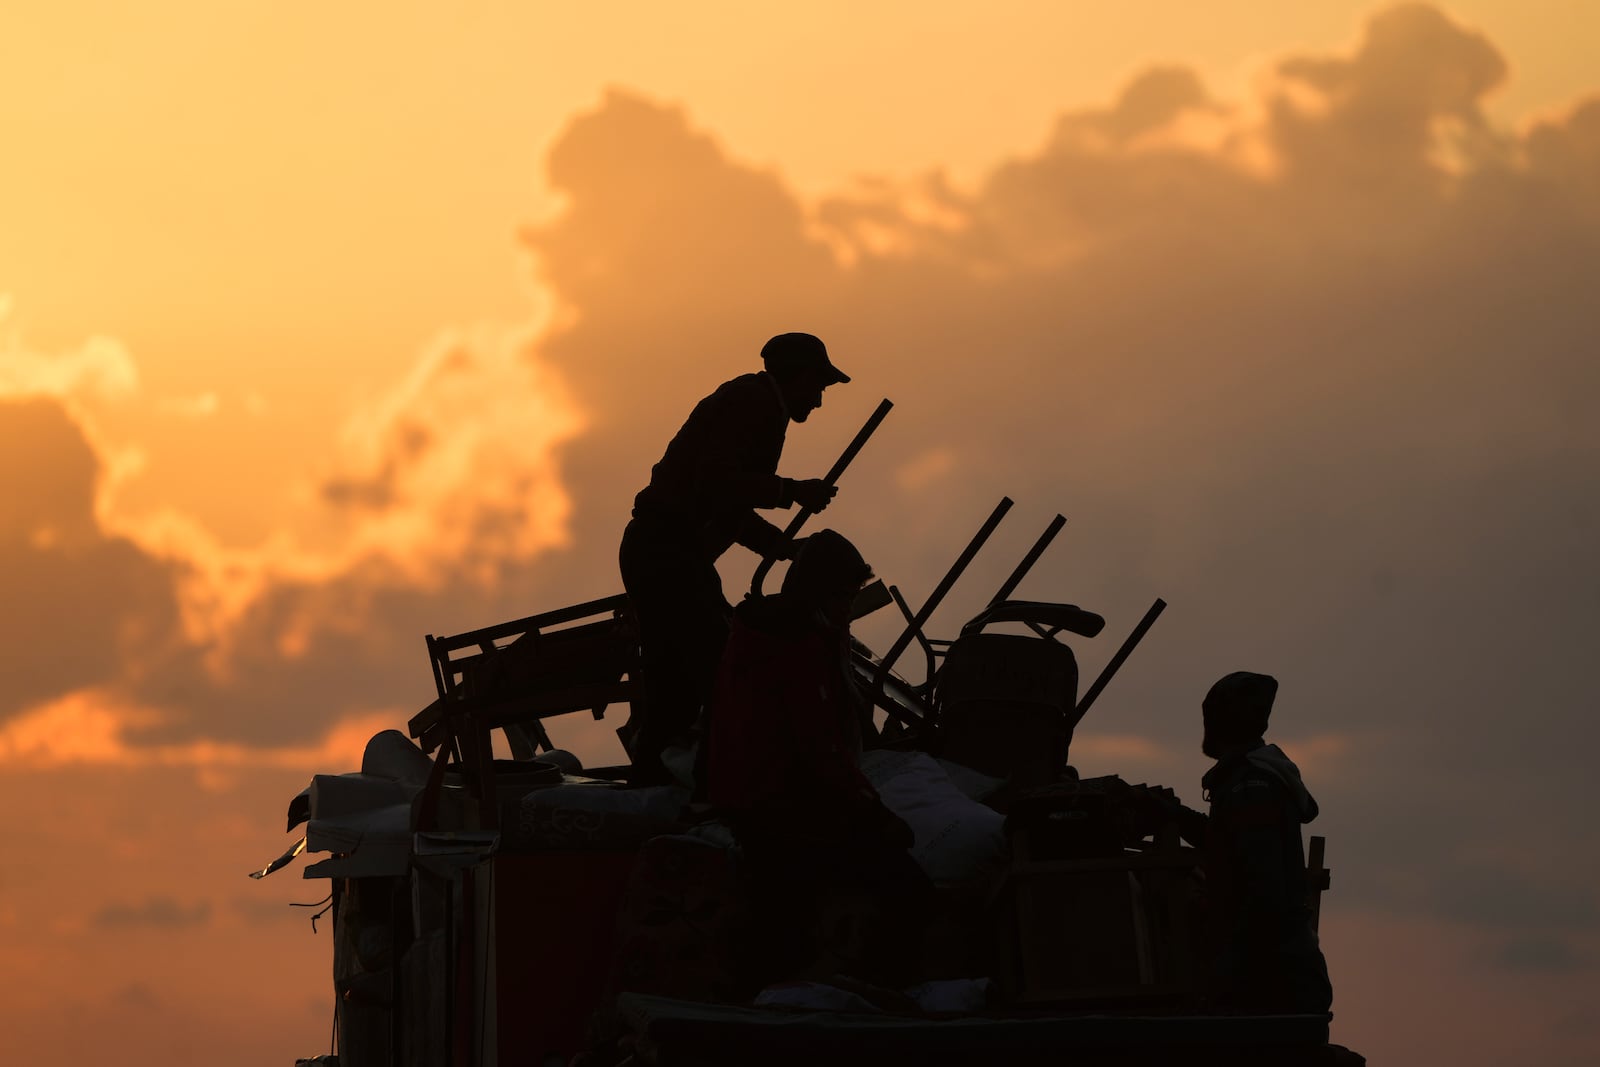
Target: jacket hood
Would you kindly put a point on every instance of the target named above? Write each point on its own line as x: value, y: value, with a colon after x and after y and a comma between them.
x: 779, y: 615
x: 1271, y: 761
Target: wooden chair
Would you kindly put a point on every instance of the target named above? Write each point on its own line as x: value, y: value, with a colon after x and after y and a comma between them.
x: 513, y: 675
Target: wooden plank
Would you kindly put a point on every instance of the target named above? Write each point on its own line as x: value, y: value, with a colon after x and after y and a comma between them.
x: 1317, y: 877
x: 533, y: 623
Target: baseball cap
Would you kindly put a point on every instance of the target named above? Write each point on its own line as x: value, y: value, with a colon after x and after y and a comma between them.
x: 788, y: 352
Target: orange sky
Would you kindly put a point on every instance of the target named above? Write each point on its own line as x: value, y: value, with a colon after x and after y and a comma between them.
x: 275, y: 205
x: 325, y: 329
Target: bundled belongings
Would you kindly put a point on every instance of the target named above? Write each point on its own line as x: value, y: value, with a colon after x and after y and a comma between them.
x: 956, y: 839
x: 892, y: 870
x: 596, y: 814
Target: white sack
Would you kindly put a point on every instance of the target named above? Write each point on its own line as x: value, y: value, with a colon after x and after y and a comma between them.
x: 958, y: 840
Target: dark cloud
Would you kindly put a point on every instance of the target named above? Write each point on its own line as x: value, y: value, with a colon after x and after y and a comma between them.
x: 1320, y: 379
x: 1540, y: 955
x: 156, y: 912
x: 364, y: 651
x: 676, y: 225
x: 1564, y: 158
x: 1151, y: 101
x: 1382, y: 109
x: 49, y: 474
x: 82, y: 608
x: 446, y: 489
x: 89, y: 610
x: 1495, y: 896
x: 1320, y: 383
x: 676, y: 264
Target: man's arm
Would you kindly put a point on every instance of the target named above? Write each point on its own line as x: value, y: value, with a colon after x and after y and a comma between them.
x: 740, y: 441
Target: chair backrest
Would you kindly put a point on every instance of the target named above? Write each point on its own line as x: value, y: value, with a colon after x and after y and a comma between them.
x: 1005, y: 705
x: 1008, y: 667
x: 548, y: 669
x: 511, y: 675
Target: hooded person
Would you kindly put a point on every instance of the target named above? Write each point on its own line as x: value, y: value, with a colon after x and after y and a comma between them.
x: 785, y: 741
x: 703, y: 495
x: 1265, y: 955
x: 784, y: 771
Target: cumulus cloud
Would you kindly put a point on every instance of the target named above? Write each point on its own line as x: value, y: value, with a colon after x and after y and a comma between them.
x: 98, y: 727
x: 1314, y: 365
x: 440, y: 482
x: 143, y: 637
x: 1311, y: 365
x: 82, y: 606
x: 456, y: 465
x: 446, y: 496
x: 100, y: 366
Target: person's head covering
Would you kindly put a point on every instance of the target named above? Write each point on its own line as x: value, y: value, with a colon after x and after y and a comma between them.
x: 827, y: 567
x: 1239, y: 703
x: 788, y: 353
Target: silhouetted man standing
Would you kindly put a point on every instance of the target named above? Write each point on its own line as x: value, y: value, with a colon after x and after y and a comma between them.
x: 701, y: 498
x: 1265, y: 952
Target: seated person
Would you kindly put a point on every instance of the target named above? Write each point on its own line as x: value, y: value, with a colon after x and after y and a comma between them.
x: 785, y: 745
x: 1265, y: 955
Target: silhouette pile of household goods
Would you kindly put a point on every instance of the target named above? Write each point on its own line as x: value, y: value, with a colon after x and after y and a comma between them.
x: 809, y: 857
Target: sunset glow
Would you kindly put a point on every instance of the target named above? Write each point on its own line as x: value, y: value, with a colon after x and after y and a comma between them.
x: 322, y: 329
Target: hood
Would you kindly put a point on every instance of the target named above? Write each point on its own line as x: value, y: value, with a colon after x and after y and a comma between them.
x: 1271, y: 761
x: 778, y: 615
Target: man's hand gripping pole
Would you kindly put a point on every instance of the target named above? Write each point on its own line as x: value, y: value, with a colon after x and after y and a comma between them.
x: 833, y: 476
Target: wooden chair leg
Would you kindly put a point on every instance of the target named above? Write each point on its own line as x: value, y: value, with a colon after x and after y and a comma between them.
x: 487, y: 798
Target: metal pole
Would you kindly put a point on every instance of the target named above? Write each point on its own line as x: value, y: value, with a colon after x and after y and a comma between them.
x: 1116, y: 661
x: 833, y: 476
x: 915, y: 627
x: 1029, y: 560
